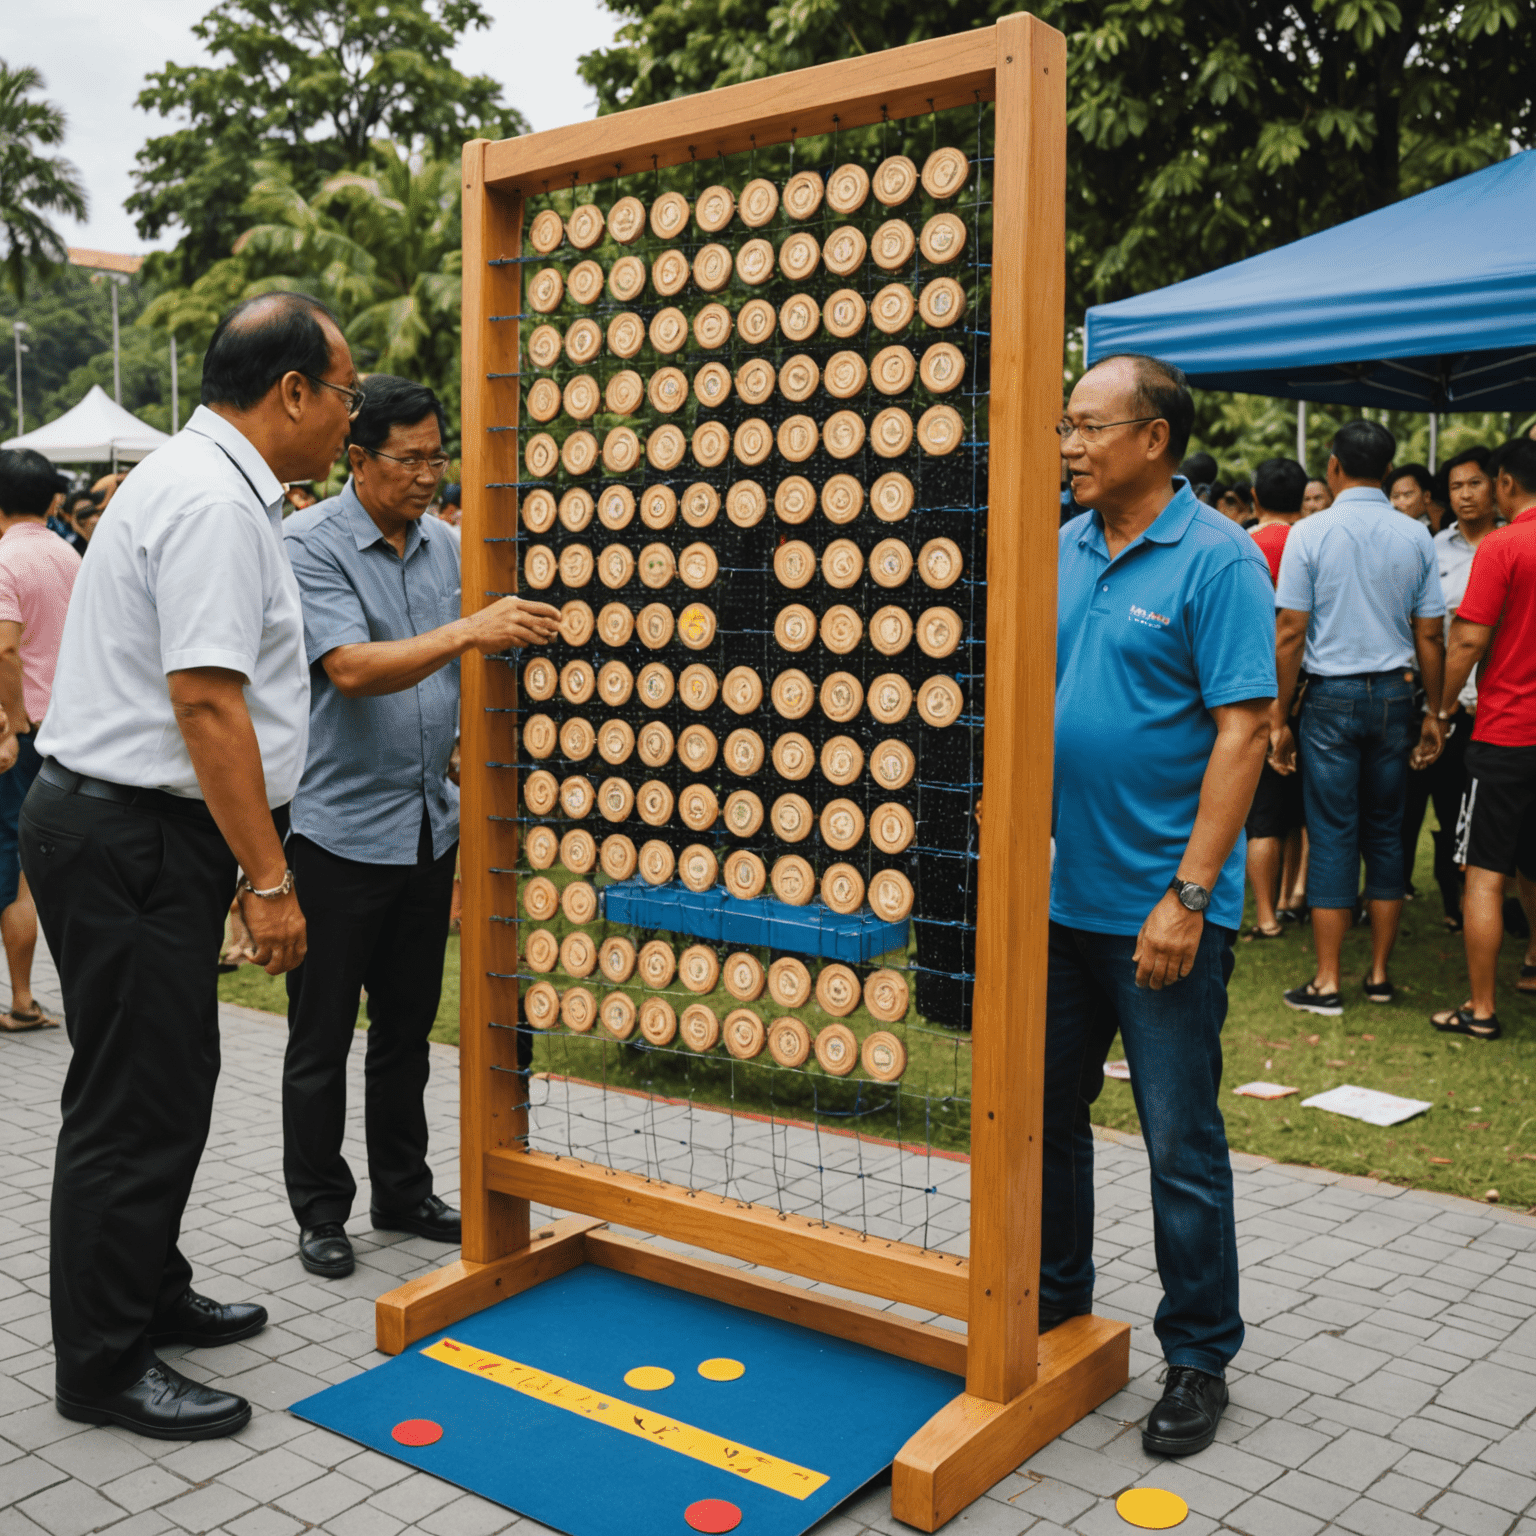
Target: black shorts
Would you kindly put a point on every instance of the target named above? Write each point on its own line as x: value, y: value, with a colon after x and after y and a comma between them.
x: 1497, y: 826
x: 1277, y: 809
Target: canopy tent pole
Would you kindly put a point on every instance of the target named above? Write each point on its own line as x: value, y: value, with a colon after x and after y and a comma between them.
x: 175, y: 390
x: 1301, y: 433
x: 1434, y: 439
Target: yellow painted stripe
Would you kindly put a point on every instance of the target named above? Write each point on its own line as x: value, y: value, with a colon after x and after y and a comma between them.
x: 755, y: 1466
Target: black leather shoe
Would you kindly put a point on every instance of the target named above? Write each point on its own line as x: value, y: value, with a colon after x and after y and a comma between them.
x: 1054, y: 1317
x: 1185, y: 1420
x: 162, y: 1404
x: 433, y: 1218
x: 198, y: 1321
x: 326, y: 1250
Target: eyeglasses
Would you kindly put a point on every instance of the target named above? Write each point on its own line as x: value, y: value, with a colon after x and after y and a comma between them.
x: 1089, y: 430
x: 415, y: 466
x: 354, y: 397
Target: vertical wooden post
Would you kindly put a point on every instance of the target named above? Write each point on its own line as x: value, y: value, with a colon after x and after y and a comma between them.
x: 1008, y: 1036
x: 490, y: 1112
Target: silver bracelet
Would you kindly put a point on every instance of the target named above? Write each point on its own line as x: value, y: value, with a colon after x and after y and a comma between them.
x: 276, y: 891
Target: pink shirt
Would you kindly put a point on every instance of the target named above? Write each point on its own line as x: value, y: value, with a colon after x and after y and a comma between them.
x: 37, y: 574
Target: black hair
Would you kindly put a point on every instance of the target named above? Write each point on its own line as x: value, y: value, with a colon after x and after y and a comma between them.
x: 390, y: 402
x: 1243, y: 490
x: 1517, y: 459
x: 1476, y: 454
x: 1364, y: 449
x: 1199, y: 469
x: 1418, y: 473
x: 259, y: 341
x: 84, y: 502
x: 28, y: 483
x: 1162, y: 392
x: 1279, y: 485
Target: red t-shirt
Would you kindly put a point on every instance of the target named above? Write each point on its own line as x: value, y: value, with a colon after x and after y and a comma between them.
x: 1502, y: 591
x: 1271, y: 537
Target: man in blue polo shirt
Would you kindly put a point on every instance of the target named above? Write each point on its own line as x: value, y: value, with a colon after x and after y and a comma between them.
x: 1165, y: 671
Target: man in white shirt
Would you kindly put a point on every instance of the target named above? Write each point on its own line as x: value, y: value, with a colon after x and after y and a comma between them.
x: 173, y: 743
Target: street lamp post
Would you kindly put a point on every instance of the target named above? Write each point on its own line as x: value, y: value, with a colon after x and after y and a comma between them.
x: 175, y: 389
x: 17, y: 327
x: 116, y: 281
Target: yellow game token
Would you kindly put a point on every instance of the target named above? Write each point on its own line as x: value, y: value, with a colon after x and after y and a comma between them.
x: 1152, y: 1509
x: 722, y: 1370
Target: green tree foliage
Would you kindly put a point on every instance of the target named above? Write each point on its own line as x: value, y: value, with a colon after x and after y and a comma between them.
x: 301, y: 88
x: 32, y: 184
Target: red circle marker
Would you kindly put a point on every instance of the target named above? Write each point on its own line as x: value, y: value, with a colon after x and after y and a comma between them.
x: 713, y: 1515
x: 425, y: 1432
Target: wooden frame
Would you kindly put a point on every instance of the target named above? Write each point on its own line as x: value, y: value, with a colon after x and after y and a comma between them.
x: 1020, y: 1390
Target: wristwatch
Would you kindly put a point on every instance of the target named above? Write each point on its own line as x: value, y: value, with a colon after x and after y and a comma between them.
x: 1195, y: 898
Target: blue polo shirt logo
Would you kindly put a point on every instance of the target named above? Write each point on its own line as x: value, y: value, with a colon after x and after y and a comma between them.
x: 1149, y: 618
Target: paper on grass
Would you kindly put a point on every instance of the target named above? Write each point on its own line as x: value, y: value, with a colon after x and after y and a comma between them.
x: 1118, y: 1069
x: 1367, y: 1104
x: 1264, y: 1090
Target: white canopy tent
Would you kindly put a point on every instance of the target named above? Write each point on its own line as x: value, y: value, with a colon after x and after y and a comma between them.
x: 96, y: 431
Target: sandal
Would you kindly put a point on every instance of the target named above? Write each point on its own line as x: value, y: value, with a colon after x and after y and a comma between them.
x: 1264, y: 933
x: 1462, y: 1021
x: 1527, y: 975
x: 34, y: 1018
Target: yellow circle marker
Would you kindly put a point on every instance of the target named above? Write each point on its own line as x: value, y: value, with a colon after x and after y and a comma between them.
x: 1153, y: 1509
x: 648, y: 1378
x: 722, y: 1370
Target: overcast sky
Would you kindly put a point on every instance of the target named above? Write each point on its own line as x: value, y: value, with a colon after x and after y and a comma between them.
x: 94, y: 55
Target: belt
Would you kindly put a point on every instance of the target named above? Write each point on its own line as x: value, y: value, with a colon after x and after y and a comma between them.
x: 156, y: 800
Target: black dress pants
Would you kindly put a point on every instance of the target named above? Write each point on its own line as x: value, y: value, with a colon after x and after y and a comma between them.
x: 383, y: 927
x: 1444, y: 782
x: 132, y: 900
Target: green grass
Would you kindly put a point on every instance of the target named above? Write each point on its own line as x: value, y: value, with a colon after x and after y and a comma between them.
x: 1483, y: 1124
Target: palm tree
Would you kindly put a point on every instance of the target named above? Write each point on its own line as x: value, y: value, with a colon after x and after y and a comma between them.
x: 32, y: 185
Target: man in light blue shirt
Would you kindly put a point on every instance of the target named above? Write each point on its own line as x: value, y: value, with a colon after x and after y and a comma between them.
x: 1357, y: 600
x: 375, y: 820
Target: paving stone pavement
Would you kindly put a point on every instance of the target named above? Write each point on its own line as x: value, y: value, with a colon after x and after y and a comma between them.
x: 1387, y: 1386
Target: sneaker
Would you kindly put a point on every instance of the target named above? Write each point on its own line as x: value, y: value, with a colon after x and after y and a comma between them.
x: 1379, y: 991
x: 1308, y: 999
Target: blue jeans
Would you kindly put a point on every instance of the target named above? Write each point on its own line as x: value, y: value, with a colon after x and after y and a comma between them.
x: 1356, y: 736
x: 1173, y: 1044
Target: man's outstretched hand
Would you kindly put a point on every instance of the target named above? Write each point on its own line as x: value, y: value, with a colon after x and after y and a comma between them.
x: 514, y: 621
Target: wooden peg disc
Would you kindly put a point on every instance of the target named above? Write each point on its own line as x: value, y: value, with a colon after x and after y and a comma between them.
x: 697, y: 867
x: 890, y: 698
x: 742, y: 690
x: 698, y: 968
x: 621, y: 450
x: 891, y: 828
x: 842, y: 563
x: 665, y: 447
x: 626, y: 334
x: 615, y: 799
x: 844, y: 313
x: 577, y: 681
x: 657, y: 964
x: 654, y: 801
x: 714, y: 209
x: 744, y: 976
x: 541, y: 899
x: 793, y: 756
x: 658, y: 506
x: 798, y: 378
x: 745, y: 876
x: 939, y: 631
x: 794, y: 500
x: 893, y: 370
x: 799, y: 256
x: 538, y: 736
x: 890, y: 434
x: 578, y: 848
x: 538, y: 511
x: 837, y: 991
x: 844, y: 251
x: 626, y: 220
x: 540, y: 679
x: 745, y: 1036
x: 541, y: 1005
x: 619, y: 857
x: 841, y: 629
x: 892, y: 309
x: 542, y: 952
x: 543, y: 400
x: 842, y: 498
x: 667, y: 390
x: 891, y: 497
x: 893, y: 244
x: 577, y: 738
x: 942, y: 239
x: 842, y: 825
x: 657, y: 863
x: 743, y: 811
x: 843, y: 434
x: 711, y: 443
x: 657, y: 566
x: 617, y: 1015
x: 793, y: 880
x: 658, y: 1021
x: 884, y: 1056
x: 669, y: 273
x: 890, y: 896
x: 669, y: 215
x: 541, y: 454
x: 753, y: 441
x: 890, y: 631
x: 795, y: 628
x: 842, y: 760
x: 759, y: 202
x: 542, y: 847
x: 837, y: 1050
x: 698, y: 565
x: 578, y: 453
x: 793, y: 694
x: 890, y: 563
x: 615, y: 565
x: 577, y: 796
x: 940, y: 701
x: 616, y: 959
x: 789, y: 1041
x: 744, y: 747
x: 755, y: 262
x: 939, y: 563
x: 712, y: 268
x: 615, y: 683
x: 942, y: 302
x: 696, y: 626
x: 848, y: 188
x: 699, y: 810
x: 894, y: 181
x: 585, y: 283
x: 756, y: 322
x: 755, y: 380
x: 545, y: 290
x: 656, y: 744
x: 583, y: 341
x: 578, y: 901
x: 940, y: 430
x: 544, y: 346
x: 578, y: 954
x: 800, y: 317
x: 746, y: 502
x: 700, y: 505
x: 712, y: 385
x: 546, y: 232
x: 792, y: 818
x: 697, y: 747
x: 626, y: 279
x: 699, y: 1028
x: 712, y: 326
x: 615, y: 741
x: 576, y: 508
x: 945, y: 172
x: 668, y: 330
x: 803, y: 193
x: 845, y: 375
x: 623, y: 393
x: 789, y: 982
x: 797, y: 438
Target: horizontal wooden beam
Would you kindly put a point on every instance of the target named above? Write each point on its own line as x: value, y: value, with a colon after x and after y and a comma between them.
x: 836, y: 1255
x: 929, y: 76
x: 924, y: 1343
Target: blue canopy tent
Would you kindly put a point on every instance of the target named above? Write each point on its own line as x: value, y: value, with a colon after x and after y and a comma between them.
x: 1428, y: 305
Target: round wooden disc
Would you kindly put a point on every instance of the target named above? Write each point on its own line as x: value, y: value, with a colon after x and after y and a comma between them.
x: 698, y: 565
x: 623, y: 393
x: 618, y: 857
x: 712, y: 268
x: 545, y: 290
x: 698, y: 808
x: 585, y: 283
x: 746, y: 502
x: 712, y: 385
x: 754, y: 262
x: 542, y: 847
x: 742, y: 690
x: 759, y: 202
x: 837, y: 1050
x: 845, y: 375
x: 615, y: 799
x: 542, y: 952
x: 837, y: 990
x: 938, y: 631
x: 577, y: 681
x: 712, y: 326
x: 842, y: 888
x: 700, y: 505
x: 890, y: 434
x: 803, y: 193
x: 793, y: 694
x: 626, y: 220
x: 756, y: 322
x: 626, y: 334
x: 842, y: 563
x: 844, y: 313
x: 939, y: 563
x: 891, y: 497
x: 942, y: 239
x: 799, y: 256
x: 699, y: 1028
x: 792, y: 818
x: 891, y: 828
x: 657, y: 964
x: 789, y: 982
x: 711, y: 443
x: 800, y: 317
x: 942, y: 302
x: 615, y: 682
x: 576, y: 564
x: 743, y: 811
x: 890, y: 896
x: 844, y: 251
x: 892, y: 763
x: 655, y: 742
x: 939, y: 701
x: 538, y: 736
x: 656, y: 685
x: 755, y: 380
x: 890, y: 563
x: 626, y: 280
x: 668, y: 330
x: 696, y: 626
x: 892, y: 309
x: 546, y: 232
x: 654, y: 802
x: 847, y: 189
x: 798, y: 378
x: 795, y: 628
x: 793, y: 880
x: 697, y: 867
x: 615, y: 741
x: 797, y: 438
x: 540, y: 679
x: 714, y: 209
x: 842, y: 760
x: 789, y: 1041
x: 794, y: 500
x: 745, y: 1036
x: 894, y: 181
x: 940, y: 429
x: 615, y: 624
x: 658, y: 1021
x: 669, y: 215
x: 893, y: 370
x: 538, y: 511
x: 698, y: 968
x: 884, y: 1056
x: 669, y: 273
x: 617, y: 1015
x: 541, y: 455
x: 744, y: 752
x: 578, y: 901
x: 665, y: 447
x: 656, y: 862
x: 541, y: 1005
x: 577, y: 738
x: 621, y: 450
x: 697, y: 747
x: 577, y: 796
x: 541, y: 900
x: 576, y: 508
x: 544, y: 400
x: 841, y: 629
x: 793, y: 756
x: 667, y: 390
x: 842, y: 498
x: 615, y: 565
x: 754, y: 441
x: 843, y: 434
x: 616, y: 959
x: 744, y: 976
x: 890, y: 631
x: 578, y: 954
x: 583, y: 341
x: 890, y: 698
x: 657, y: 566
x: 544, y: 346
x: 842, y: 825
x: 658, y: 506
x: 745, y: 876
x: 892, y: 246
x: 578, y: 849
x: 945, y: 172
